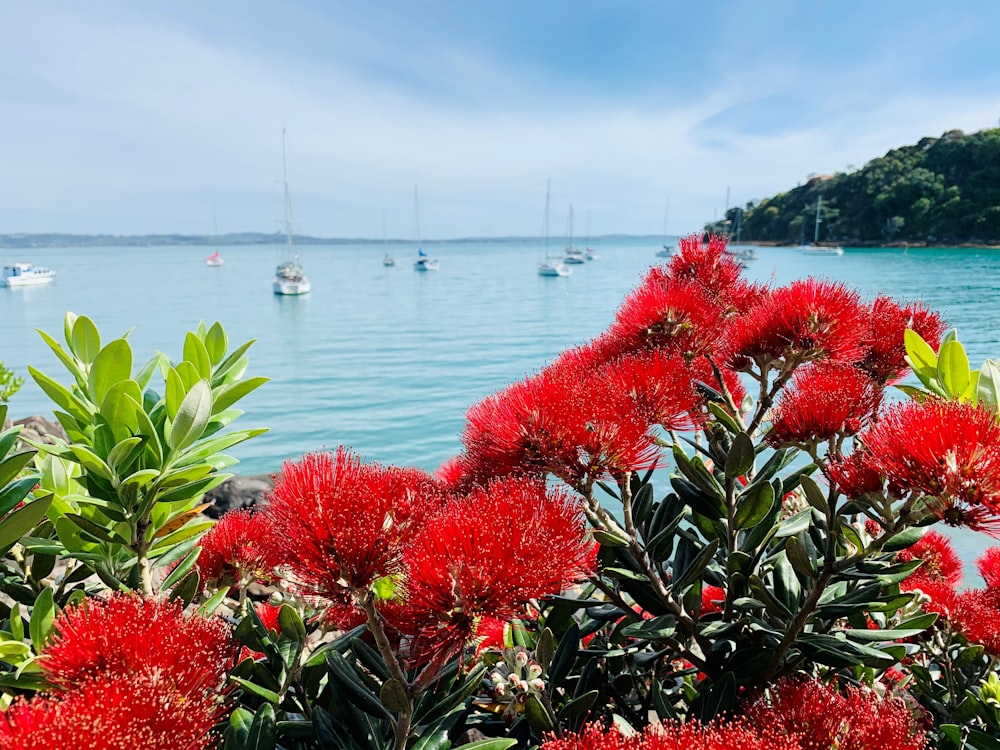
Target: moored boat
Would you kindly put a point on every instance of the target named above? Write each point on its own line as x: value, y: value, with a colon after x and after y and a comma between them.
x: 26, y: 274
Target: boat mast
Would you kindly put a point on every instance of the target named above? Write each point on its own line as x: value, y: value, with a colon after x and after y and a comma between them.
x: 288, y: 197
x: 819, y: 202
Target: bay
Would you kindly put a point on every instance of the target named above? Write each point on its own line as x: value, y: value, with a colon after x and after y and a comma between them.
x: 387, y: 360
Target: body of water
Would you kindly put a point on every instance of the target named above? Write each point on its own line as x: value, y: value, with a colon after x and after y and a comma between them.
x: 387, y: 360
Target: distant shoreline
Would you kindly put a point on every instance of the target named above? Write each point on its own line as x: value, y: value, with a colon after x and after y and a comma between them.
x: 250, y: 239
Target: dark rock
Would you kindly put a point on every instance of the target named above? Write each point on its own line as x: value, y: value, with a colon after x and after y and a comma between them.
x: 238, y: 492
x: 39, y: 429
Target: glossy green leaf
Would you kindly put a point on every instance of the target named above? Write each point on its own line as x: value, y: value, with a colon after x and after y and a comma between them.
x: 262, y: 734
x: 988, y: 386
x: 192, y: 417
x: 538, y: 715
x: 43, y: 614
x: 233, y: 393
x: 261, y: 692
x: 65, y: 400
x: 19, y: 522
x: 290, y: 622
x: 68, y: 361
x: 174, y: 392
x: 953, y: 368
x: 112, y: 365
x: 196, y: 353
x: 741, y: 456
x: 85, y: 339
x: 216, y: 343
x: 918, y: 351
x: 393, y: 696
x: 751, y: 509
x: 500, y: 743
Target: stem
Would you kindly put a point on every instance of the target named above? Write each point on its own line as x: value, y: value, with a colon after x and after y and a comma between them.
x: 141, y: 548
x: 389, y: 656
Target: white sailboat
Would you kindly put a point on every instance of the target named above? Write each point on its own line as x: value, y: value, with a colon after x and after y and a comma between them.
x: 423, y: 262
x: 572, y: 254
x: 815, y: 248
x: 666, y: 250
x: 550, y: 266
x: 289, y: 277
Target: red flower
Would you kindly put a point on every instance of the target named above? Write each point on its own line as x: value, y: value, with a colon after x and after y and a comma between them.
x: 946, y: 450
x: 664, y: 313
x: 825, y: 400
x: 661, y: 388
x: 885, y: 355
x: 703, y: 372
x: 342, y: 524
x: 975, y: 613
x: 268, y: 614
x: 856, y: 475
x: 819, y: 717
x: 941, y: 564
x: 237, y: 550
x: 128, y: 635
x: 712, y: 599
x: 803, y: 321
x: 989, y: 567
x: 486, y: 556
x: 114, y: 712
x: 566, y: 420
x: 672, y: 735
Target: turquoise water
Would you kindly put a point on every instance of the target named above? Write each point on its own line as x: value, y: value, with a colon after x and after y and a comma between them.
x: 387, y: 360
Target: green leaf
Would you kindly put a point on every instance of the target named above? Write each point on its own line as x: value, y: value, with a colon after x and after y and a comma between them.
x: 906, y: 538
x: 794, y: 524
x: 112, y: 365
x: 186, y: 589
x: 182, y: 568
x: 85, y: 339
x: 753, y: 508
x: 500, y: 743
x: 975, y: 740
x: 68, y: 402
x: 19, y: 522
x: 354, y: 689
x: 290, y: 622
x: 43, y: 614
x: 174, y: 392
x: 953, y: 368
x: 262, y: 734
x: 231, y: 394
x: 814, y: 494
x: 741, y: 456
x: 207, y: 609
x: 538, y: 715
x: 91, y: 461
x: 14, y: 492
x: 988, y: 386
x: 192, y: 417
x: 196, y: 353
x: 232, y: 361
x: 68, y: 362
x: 261, y: 692
x: 216, y: 343
x: 918, y: 351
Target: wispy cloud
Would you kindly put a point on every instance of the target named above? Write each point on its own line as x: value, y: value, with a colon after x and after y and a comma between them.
x: 125, y: 121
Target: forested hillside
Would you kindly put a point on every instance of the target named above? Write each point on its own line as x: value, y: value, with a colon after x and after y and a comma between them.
x: 940, y: 191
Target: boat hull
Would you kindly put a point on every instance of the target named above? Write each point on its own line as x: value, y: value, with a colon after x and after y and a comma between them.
x: 286, y: 287
x: 425, y: 265
x: 553, y: 269
x: 25, y: 274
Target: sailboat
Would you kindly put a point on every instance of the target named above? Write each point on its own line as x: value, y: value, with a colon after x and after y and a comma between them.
x: 289, y: 277
x: 214, y: 260
x: 573, y: 254
x: 423, y: 261
x: 666, y: 250
x: 550, y: 266
x: 815, y: 248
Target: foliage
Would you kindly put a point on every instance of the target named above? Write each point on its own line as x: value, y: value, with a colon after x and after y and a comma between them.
x: 940, y: 190
x: 780, y: 590
x: 9, y: 383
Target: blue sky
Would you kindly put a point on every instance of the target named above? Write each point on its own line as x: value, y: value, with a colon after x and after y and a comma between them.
x: 130, y: 118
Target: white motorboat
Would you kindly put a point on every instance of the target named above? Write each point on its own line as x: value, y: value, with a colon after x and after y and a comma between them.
x: 25, y: 274
x: 289, y: 277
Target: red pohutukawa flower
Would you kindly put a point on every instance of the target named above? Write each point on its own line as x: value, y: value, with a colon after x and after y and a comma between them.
x: 856, y: 474
x: 719, y: 273
x: 486, y: 556
x: 712, y: 599
x: 237, y: 550
x: 132, y: 635
x: 702, y: 371
x: 566, y: 420
x: 114, y: 712
x: 817, y: 716
x: 661, y: 387
x: 940, y: 562
x: 664, y: 313
x: 945, y: 450
x: 824, y: 400
x: 342, y: 524
x: 803, y: 321
x: 672, y: 735
x: 884, y: 353
x: 989, y: 567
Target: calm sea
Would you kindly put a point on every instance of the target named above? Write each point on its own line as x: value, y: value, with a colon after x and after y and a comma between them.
x: 387, y: 360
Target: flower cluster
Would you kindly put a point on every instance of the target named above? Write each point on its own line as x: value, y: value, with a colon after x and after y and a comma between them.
x: 237, y: 551
x: 126, y: 672
x: 794, y: 714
